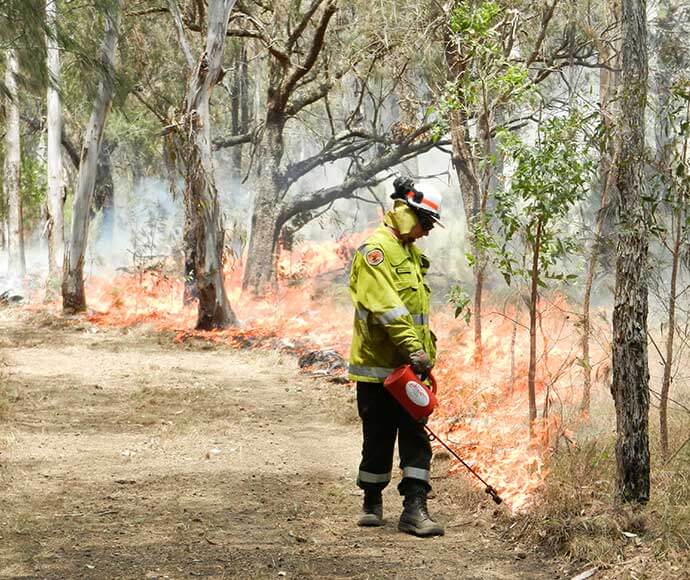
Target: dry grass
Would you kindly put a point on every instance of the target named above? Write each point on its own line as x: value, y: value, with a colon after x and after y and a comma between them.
x: 5, y: 402
x: 578, y: 515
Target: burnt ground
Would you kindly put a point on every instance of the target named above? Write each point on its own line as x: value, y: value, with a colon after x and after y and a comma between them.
x: 124, y: 455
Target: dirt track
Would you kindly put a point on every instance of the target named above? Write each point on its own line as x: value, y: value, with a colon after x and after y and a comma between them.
x: 123, y: 455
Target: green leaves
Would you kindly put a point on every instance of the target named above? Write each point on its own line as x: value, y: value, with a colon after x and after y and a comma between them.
x: 460, y: 299
x: 474, y: 19
x: 549, y: 177
x: 488, y: 72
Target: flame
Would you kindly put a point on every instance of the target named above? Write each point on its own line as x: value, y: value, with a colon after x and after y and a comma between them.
x: 483, y: 412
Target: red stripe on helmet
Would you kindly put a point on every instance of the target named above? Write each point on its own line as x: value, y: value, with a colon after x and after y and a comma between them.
x: 425, y: 201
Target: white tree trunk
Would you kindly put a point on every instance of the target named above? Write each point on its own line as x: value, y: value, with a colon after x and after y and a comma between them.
x: 56, y: 237
x: 17, y: 265
x: 73, y: 299
x: 214, y: 307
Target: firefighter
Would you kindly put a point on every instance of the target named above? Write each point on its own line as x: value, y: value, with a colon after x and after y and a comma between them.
x: 391, y: 328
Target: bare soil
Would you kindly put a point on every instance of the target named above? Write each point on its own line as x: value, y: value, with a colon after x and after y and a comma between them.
x: 124, y: 455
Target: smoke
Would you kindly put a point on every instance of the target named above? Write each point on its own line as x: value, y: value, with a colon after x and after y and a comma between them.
x: 147, y: 227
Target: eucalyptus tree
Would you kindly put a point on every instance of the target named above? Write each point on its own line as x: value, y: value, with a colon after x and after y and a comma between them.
x: 192, y: 136
x: 608, y: 50
x: 55, y: 221
x: 21, y: 34
x: 73, y: 298
x: 675, y: 177
x: 11, y: 178
x: 672, y: 173
x: 630, y: 385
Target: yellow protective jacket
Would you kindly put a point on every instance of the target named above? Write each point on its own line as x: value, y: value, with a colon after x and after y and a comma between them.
x: 391, y: 303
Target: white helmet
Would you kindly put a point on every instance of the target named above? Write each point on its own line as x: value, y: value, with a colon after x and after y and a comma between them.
x: 426, y: 203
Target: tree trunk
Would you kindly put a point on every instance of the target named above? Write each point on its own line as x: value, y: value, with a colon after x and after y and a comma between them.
x: 668, y: 361
x: 465, y: 166
x: 586, y: 329
x: 17, y: 264
x: 189, y: 232
x: 479, y: 274
x: 589, y: 283
x: 262, y: 252
x: 534, y: 295
x: 239, y: 110
x: 55, y: 224
x: 513, y: 341
x: 470, y: 188
x: 73, y: 299
x: 630, y: 385
x: 200, y: 189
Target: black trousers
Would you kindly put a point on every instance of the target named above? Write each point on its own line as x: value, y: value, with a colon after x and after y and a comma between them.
x: 384, y: 419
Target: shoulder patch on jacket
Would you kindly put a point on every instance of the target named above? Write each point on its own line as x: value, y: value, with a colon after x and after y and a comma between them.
x: 374, y: 257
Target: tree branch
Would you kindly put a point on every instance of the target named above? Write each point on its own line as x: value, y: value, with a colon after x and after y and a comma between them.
x: 146, y: 12
x: 232, y: 141
x: 315, y: 94
x: 365, y: 176
x: 261, y: 34
x: 298, y: 71
x: 334, y: 149
x: 181, y: 36
x: 297, y: 33
x: 138, y: 96
x: 548, y: 15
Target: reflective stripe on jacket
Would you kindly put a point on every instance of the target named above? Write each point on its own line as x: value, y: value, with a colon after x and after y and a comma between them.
x: 391, y: 307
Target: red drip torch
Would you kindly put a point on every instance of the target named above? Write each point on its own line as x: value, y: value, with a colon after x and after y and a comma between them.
x: 419, y: 400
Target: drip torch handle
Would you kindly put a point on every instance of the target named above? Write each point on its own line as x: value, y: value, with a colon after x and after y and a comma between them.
x: 428, y: 376
x: 488, y: 488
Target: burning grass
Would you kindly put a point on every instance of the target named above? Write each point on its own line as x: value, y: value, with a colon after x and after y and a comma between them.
x: 558, y: 486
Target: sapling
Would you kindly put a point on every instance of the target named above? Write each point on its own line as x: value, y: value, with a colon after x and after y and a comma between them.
x: 549, y: 178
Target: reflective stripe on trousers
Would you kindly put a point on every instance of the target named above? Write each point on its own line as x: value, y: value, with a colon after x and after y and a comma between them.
x: 367, y: 477
x: 416, y: 473
x: 373, y: 372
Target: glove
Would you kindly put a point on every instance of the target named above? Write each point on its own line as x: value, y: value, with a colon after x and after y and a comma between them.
x: 421, y: 363
x: 402, y: 185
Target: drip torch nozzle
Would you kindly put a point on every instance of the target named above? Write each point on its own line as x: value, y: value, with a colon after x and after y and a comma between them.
x: 494, y: 495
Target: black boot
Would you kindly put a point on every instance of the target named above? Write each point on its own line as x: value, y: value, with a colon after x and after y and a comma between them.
x: 372, y: 510
x: 415, y: 518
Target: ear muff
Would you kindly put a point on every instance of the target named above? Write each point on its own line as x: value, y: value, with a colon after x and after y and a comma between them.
x: 402, y: 218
